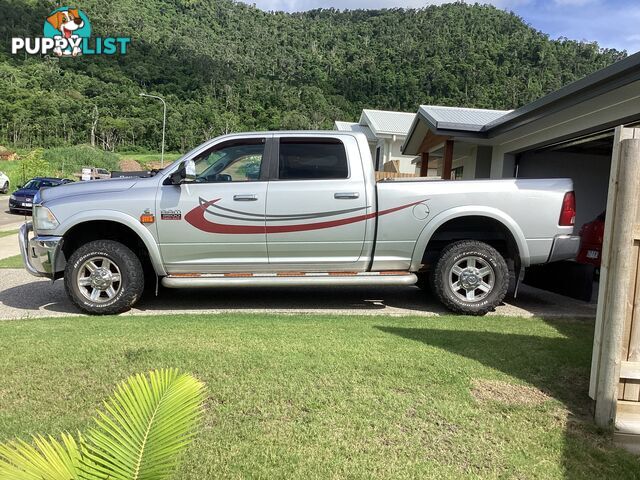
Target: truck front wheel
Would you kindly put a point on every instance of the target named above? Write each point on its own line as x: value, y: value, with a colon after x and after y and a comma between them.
x: 104, y: 277
x: 470, y: 277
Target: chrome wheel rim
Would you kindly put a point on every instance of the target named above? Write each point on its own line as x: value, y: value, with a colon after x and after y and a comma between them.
x: 472, y: 278
x: 99, y: 279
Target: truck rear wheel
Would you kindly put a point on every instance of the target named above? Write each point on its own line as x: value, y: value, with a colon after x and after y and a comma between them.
x: 470, y: 277
x: 104, y: 277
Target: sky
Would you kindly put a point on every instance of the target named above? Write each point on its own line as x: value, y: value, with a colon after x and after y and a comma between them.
x: 611, y: 23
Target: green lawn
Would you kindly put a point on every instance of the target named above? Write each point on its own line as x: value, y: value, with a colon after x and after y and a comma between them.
x: 11, y: 262
x: 147, y: 160
x: 332, y: 396
x: 6, y: 233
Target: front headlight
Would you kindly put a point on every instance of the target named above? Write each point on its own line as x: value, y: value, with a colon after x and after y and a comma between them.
x: 43, y: 219
x: 12, y: 197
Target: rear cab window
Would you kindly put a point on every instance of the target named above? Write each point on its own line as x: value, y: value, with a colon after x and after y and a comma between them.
x: 312, y: 159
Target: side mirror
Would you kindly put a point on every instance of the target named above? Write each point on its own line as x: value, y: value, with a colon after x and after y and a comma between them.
x: 186, y: 172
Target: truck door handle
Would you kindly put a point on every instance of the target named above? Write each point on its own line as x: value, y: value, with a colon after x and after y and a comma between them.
x: 251, y: 197
x: 346, y: 195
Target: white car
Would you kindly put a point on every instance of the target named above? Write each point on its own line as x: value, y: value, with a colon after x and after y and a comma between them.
x: 4, y: 183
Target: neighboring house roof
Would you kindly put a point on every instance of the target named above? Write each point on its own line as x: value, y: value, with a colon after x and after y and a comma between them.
x: 355, y: 127
x: 383, y: 122
x: 459, y: 118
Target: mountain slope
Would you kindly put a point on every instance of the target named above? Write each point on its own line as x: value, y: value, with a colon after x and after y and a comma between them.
x: 226, y: 66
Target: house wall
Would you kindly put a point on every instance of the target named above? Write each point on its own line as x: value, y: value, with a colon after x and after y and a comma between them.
x: 392, y: 151
x: 590, y: 174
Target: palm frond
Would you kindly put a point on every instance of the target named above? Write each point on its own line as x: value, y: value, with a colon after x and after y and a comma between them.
x: 48, y: 459
x: 144, y: 427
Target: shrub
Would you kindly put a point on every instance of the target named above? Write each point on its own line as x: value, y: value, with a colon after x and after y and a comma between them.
x: 69, y: 160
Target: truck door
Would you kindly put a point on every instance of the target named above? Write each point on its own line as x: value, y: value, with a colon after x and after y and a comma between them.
x: 215, y: 223
x: 317, y: 209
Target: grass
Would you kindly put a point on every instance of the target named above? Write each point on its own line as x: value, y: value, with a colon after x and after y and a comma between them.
x: 332, y: 396
x: 148, y: 160
x: 12, y: 262
x: 6, y: 233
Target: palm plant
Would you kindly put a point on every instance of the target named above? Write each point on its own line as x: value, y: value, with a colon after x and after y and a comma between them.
x: 145, y: 425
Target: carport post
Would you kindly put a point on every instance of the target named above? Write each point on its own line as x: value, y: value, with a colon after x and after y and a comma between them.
x: 447, y: 160
x: 619, y: 269
x: 424, y: 164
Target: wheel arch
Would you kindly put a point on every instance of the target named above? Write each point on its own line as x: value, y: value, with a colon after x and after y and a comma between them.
x: 95, y: 225
x: 477, y: 218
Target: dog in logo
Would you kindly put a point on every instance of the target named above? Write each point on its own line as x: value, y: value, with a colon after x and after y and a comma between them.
x: 67, y: 22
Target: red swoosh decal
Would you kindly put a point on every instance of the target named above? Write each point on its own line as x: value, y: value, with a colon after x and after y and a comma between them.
x: 196, y: 218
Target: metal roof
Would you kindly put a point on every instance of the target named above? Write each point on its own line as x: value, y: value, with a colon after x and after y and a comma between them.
x: 355, y: 127
x: 383, y: 122
x: 459, y: 118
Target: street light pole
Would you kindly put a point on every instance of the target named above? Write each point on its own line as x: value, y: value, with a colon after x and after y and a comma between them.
x: 164, y: 123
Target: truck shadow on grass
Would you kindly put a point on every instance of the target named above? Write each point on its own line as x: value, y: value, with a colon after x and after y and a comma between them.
x: 557, y: 367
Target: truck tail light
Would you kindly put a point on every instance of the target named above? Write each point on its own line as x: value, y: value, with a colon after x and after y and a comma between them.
x: 568, y: 212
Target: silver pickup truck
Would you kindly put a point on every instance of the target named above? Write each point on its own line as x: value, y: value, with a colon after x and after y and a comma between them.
x: 291, y: 209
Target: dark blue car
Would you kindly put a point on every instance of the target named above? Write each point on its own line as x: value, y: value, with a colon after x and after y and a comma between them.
x: 21, y: 201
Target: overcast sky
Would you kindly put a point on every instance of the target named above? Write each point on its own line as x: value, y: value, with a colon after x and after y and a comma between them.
x: 611, y: 23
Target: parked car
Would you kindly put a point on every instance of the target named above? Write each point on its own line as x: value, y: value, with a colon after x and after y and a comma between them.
x: 291, y: 209
x: 4, y: 183
x: 21, y: 201
x: 591, y: 238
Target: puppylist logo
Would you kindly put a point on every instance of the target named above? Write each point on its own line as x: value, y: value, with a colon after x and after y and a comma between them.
x: 67, y: 33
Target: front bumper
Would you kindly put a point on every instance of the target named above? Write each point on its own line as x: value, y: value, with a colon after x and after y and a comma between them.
x: 41, y: 255
x: 565, y: 247
x: 22, y: 204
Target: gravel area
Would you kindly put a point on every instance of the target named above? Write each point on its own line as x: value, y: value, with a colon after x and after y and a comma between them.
x: 24, y: 296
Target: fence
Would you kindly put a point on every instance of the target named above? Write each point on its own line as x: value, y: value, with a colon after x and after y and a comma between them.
x: 615, y: 368
x: 383, y: 175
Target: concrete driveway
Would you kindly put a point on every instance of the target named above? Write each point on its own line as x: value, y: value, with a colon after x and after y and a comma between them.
x: 24, y: 296
x: 8, y: 219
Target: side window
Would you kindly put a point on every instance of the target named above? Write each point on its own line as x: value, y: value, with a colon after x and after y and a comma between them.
x: 312, y: 159
x: 233, y: 161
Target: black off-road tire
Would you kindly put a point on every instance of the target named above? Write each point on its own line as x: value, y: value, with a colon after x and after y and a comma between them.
x: 448, y: 258
x: 131, y: 271
x: 5, y: 188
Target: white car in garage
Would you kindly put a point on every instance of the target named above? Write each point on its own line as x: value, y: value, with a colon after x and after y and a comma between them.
x: 4, y: 183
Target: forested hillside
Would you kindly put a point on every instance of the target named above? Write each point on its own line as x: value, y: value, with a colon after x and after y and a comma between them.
x: 225, y: 66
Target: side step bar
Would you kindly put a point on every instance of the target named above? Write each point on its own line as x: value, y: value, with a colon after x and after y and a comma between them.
x: 287, y: 279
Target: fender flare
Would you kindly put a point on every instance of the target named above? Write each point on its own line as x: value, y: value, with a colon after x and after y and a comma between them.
x: 468, y: 211
x: 123, y: 219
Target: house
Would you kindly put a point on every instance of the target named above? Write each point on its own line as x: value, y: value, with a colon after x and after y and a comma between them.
x: 386, y: 132
x: 567, y: 133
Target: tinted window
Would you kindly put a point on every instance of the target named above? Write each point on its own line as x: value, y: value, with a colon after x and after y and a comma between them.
x: 234, y: 161
x: 38, y: 184
x: 312, y: 159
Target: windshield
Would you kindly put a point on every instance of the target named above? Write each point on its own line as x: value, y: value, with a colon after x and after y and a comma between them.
x: 38, y: 184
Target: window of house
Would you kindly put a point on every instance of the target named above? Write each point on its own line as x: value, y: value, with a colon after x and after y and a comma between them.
x: 312, y: 159
x: 378, y: 156
x: 456, y: 173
